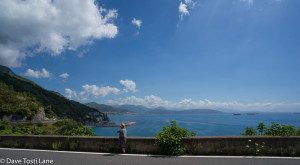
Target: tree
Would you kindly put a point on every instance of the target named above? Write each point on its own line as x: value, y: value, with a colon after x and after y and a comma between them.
x: 169, y: 140
x: 261, y: 128
x: 274, y: 130
x: 249, y: 131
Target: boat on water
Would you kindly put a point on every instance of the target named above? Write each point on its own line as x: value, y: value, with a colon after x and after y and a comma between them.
x: 237, y: 114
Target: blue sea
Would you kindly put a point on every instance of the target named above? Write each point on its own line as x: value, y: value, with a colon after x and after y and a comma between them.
x: 204, y: 124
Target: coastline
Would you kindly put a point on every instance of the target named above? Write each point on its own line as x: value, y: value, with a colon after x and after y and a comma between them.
x: 112, y: 124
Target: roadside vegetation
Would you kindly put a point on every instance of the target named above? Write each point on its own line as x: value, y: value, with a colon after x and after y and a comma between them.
x: 274, y: 130
x: 169, y: 139
x: 64, y: 127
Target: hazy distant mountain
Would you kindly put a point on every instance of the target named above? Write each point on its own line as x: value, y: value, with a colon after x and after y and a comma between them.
x: 190, y: 111
x: 107, y: 109
x: 134, y: 108
x: 163, y: 110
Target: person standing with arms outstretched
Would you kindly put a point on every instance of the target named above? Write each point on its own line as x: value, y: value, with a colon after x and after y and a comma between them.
x: 122, y: 138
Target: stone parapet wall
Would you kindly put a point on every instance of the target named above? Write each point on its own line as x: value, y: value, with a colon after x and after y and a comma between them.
x: 243, y: 145
x: 219, y: 145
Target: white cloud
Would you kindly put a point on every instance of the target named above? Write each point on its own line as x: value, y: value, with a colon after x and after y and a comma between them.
x: 137, y: 22
x: 154, y: 101
x: 37, y: 74
x: 64, y: 75
x: 81, y: 53
x: 129, y: 85
x: 188, y: 1
x: 95, y: 91
x: 248, y: 1
x: 70, y: 93
x: 148, y: 101
x: 50, y: 26
x: 184, y: 8
x: 10, y: 56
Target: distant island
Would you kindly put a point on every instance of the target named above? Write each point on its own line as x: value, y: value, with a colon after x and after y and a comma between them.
x: 139, y: 109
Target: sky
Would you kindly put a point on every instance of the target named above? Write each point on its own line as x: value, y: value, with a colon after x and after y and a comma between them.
x: 179, y: 54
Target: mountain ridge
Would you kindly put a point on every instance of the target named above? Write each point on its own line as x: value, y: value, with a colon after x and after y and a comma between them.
x: 61, y: 106
x: 187, y: 111
x: 140, y: 109
x: 107, y: 109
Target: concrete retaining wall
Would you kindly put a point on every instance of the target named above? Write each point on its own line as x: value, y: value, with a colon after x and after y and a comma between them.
x: 243, y: 145
x: 220, y: 145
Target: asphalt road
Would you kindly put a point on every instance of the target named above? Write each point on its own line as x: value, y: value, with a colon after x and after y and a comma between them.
x: 20, y: 156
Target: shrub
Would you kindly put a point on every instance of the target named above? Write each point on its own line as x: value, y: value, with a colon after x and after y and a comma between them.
x: 66, y: 125
x: 249, y: 131
x: 81, y: 131
x: 169, y: 140
x: 4, y: 125
x: 38, y: 131
x: 274, y: 130
x: 49, y: 112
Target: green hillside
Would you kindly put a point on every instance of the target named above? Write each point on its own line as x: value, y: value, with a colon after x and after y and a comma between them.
x: 60, y: 105
x: 12, y: 102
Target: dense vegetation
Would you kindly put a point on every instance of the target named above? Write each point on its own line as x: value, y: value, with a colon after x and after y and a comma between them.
x: 169, y: 139
x: 64, y: 127
x: 274, y: 130
x: 22, y: 103
x: 52, y: 101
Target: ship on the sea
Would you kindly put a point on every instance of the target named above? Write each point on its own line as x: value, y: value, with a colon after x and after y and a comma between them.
x: 246, y: 114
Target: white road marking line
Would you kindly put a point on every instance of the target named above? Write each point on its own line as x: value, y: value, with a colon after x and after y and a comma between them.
x: 150, y: 155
